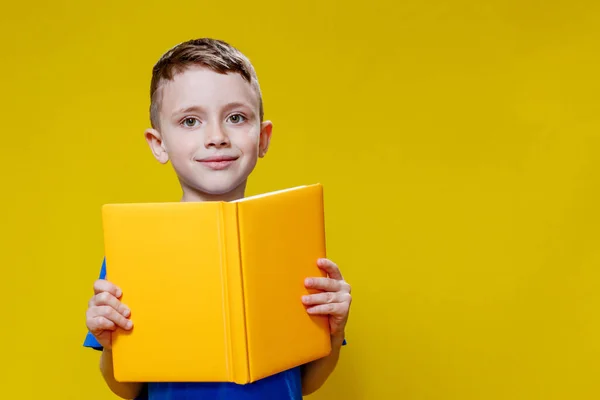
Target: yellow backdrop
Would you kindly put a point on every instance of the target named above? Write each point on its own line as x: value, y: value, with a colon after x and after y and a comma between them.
x: 459, y: 147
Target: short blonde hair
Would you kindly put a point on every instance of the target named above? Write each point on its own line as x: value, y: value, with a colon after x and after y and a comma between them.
x: 214, y: 54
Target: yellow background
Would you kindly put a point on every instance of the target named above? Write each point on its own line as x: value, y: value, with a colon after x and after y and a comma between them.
x: 459, y: 147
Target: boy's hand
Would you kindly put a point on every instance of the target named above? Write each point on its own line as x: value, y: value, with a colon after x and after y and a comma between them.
x: 334, y: 300
x: 106, y: 312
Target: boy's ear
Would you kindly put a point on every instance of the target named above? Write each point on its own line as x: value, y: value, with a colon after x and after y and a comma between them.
x: 265, y: 138
x: 157, y: 145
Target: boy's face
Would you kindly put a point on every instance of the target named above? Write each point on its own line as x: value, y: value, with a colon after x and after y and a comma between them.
x: 211, y: 132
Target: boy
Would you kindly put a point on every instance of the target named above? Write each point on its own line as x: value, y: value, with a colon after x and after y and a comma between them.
x: 207, y: 119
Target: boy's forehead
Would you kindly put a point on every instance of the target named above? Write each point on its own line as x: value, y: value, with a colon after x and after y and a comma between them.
x: 202, y: 86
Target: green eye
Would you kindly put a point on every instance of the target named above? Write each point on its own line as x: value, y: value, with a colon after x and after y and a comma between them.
x: 190, y: 122
x: 236, y: 118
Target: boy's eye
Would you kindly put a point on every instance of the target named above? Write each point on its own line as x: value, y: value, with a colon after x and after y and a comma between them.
x: 190, y: 122
x: 236, y: 118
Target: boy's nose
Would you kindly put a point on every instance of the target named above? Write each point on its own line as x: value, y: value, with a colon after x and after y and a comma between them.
x: 216, y: 138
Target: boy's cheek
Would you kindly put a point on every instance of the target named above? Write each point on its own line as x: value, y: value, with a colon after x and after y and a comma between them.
x: 254, y: 132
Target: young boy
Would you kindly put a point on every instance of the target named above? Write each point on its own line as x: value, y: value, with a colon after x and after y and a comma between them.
x: 207, y: 119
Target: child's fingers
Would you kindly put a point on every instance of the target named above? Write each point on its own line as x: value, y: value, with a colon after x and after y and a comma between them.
x: 325, y: 298
x: 102, y: 285
x: 329, y: 309
x: 325, y: 284
x: 112, y: 315
x: 330, y: 267
x: 107, y: 299
x: 99, y: 324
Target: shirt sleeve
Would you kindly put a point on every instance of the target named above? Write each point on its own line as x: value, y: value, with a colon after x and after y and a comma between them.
x: 90, y: 341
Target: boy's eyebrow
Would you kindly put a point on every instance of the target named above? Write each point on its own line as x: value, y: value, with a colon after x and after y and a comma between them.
x: 235, y: 104
x: 185, y: 110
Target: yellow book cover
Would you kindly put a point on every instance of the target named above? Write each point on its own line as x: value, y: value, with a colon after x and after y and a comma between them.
x: 215, y: 288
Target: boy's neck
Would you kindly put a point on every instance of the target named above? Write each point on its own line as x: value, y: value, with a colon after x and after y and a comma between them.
x: 191, y: 195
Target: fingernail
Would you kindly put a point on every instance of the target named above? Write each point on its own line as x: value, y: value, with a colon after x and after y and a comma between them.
x: 308, y: 281
x: 304, y: 298
x: 126, y: 312
x: 119, y: 293
x: 129, y: 324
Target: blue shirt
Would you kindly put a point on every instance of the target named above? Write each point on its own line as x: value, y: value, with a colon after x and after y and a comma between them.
x: 286, y: 385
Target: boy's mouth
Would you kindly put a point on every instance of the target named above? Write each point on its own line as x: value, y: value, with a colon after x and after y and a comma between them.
x: 217, y: 162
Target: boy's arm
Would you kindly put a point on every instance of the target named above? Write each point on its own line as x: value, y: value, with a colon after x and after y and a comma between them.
x: 125, y: 390
x: 314, y: 374
x: 98, y: 321
x: 334, y: 301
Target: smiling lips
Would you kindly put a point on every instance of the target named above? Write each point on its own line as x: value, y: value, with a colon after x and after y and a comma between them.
x: 218, y: 162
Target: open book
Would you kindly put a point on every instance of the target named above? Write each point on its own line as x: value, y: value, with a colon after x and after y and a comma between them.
x: 215, y: 287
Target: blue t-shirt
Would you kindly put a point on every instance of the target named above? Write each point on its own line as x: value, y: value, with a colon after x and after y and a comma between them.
x: 286, y: 385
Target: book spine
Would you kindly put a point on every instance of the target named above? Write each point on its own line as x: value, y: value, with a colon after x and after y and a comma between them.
x: 234, y: 297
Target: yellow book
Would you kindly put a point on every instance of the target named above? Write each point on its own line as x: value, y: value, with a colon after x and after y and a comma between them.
x: 215, y: 287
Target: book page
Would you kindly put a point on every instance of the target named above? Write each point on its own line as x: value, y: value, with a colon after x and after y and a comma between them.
x: 268, y: 194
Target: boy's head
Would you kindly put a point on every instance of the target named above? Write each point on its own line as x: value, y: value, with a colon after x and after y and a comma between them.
x: 207, y: 118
